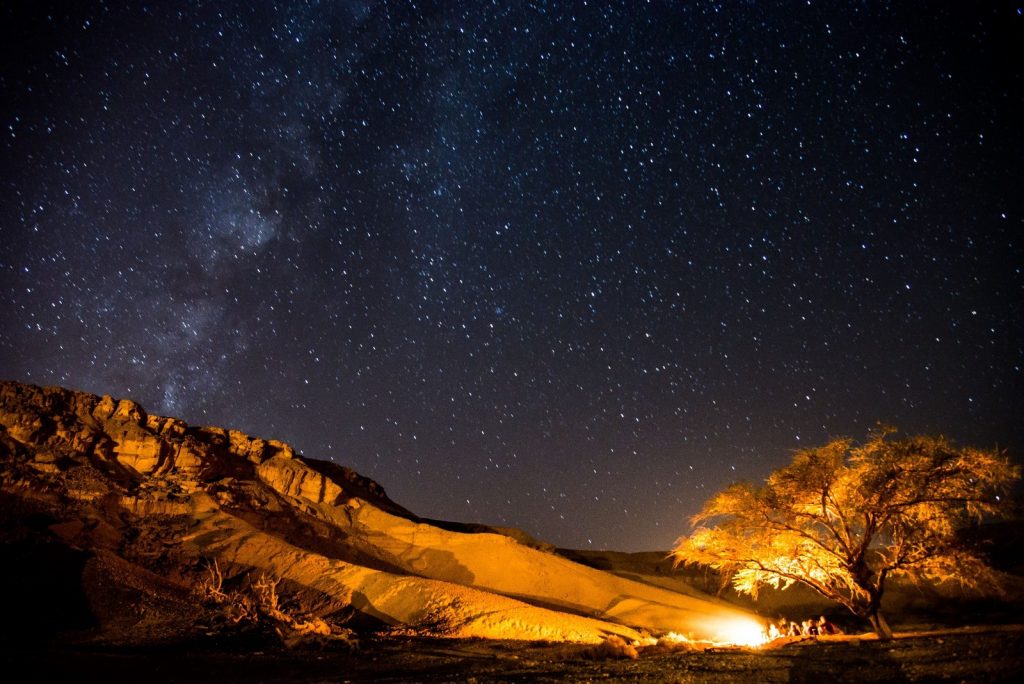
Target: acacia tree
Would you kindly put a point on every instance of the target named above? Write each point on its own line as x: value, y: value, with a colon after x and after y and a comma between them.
x: 845, y: 517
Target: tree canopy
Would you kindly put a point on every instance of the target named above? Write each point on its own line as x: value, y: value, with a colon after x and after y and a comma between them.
x: 845, y: 517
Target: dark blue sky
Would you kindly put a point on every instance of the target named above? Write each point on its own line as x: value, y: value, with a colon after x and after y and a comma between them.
x: 562, y: 266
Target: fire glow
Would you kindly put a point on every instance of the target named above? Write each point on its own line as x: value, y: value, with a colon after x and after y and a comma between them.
x: 724, y: 631
x: 741, y: 632
x: 735, y: 631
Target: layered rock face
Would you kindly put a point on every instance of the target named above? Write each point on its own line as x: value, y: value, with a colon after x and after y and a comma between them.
x: 55, y: 429
x: 145, y: 503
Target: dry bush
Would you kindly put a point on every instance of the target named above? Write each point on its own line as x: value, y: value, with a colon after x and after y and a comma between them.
x: 613, y: 646
x: 257, y: 604
x: 673, y: 642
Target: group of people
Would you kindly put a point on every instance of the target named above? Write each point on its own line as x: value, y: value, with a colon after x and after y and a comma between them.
x: 812, y: 627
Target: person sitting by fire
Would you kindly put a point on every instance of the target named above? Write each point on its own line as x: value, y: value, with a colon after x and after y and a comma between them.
x: 825, y: 626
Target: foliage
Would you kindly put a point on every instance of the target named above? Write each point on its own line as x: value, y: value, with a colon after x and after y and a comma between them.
x: 844, y: 517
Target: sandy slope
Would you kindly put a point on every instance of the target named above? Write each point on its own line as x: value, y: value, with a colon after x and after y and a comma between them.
x: 421, y: 605
x: 461, y: 585
x: 499, y: 564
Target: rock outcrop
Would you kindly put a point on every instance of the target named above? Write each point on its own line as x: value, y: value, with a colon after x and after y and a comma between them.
x: 147, y: 503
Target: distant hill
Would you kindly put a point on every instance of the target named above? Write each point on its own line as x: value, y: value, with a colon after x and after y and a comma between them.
x: 119, y: 526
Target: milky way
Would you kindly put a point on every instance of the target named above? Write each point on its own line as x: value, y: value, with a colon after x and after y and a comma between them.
x: 561, y: 266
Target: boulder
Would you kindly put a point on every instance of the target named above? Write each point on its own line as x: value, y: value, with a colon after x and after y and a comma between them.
x: 293, y: 478
x: 128, y: 410
x: 252, y: 449
x: 280, y: 449
x: 104, y: 408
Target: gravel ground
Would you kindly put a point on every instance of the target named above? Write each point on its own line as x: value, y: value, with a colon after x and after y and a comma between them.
x: 979, y: 654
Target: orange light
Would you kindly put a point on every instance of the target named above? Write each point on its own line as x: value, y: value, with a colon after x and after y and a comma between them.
x: 739, y: 631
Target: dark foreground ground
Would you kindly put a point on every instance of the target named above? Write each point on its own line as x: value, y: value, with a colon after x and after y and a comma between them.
x: 981, y: 654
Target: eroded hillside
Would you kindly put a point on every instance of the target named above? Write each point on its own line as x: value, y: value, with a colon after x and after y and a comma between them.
x: 123, y: 514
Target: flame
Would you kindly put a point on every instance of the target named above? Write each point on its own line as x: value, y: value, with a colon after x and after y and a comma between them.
x: 721, y: 631
x: 674, y: 638
x: 740, y: 631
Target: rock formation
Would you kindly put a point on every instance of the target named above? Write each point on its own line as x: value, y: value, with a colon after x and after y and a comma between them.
x: 127, y: 512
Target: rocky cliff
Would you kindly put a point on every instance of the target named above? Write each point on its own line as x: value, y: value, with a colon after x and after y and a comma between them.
x: 53, y: 430
x: 112, y: 518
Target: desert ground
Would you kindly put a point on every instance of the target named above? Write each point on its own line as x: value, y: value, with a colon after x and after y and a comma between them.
x: 974, y: 654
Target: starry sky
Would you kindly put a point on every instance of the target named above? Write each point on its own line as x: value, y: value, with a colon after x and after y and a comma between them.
x: 564, y: 266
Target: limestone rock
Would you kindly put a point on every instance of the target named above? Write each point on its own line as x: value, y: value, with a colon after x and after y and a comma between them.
x: 139, y: 451
x: 104, y: 408
x: 60, y: 425
x: 188, y: 458
x: 292, y: 477
x: 280, y: 449
x: 128, y: 410
x: 252, y: 449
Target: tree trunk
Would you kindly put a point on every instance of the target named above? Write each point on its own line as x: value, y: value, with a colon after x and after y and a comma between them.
x: 880, y: 626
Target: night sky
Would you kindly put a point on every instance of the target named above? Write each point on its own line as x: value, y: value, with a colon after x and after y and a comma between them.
x: 569, y: 267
